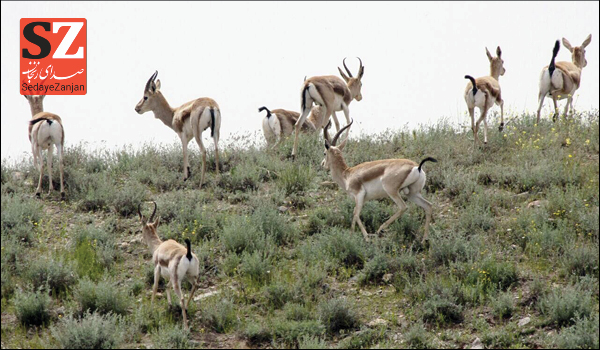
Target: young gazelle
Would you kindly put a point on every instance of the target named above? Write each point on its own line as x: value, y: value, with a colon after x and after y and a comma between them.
x: 171, y: 260
x: 188, y: 120
x: 332, y: 94
x: 377, y: 179
x: 484, y: 92
x: 45, y: 130
x: 562, y: 79
x: 279, y: 123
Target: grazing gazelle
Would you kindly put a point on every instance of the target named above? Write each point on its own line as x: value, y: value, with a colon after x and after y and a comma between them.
x: 45, y: 130
x: 377, y: 179
x: 562, y: 79
x: 484, y: 92
x: 171, y: 260
x: 188, y: 120
x: 332, y: 94
x: 279, y: 123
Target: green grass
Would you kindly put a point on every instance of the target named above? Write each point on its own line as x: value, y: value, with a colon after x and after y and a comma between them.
x: 279, y: 265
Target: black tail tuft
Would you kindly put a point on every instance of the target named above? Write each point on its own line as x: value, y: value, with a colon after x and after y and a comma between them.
x: 212, y: 122
x: 472, y: 83
x: 303, y: 107
x: 428, y: 159
x: 189, y: 249
x: 35, y: 121
x: 263, y: 108
x: 552, y: 65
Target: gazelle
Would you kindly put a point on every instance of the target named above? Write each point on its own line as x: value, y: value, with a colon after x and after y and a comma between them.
x: 332, y: 94
x: 279, y: 123
x: 377, y: 179
x: 562, y: 79
x: 45, y: 130
x: 171, y: 260
x: 188, y: 120
x: 484, y: 92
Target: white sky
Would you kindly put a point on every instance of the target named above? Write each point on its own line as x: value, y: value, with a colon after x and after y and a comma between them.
x: 246, y: 55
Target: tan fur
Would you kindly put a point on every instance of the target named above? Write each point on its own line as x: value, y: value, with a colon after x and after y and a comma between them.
x: 490, y: 88
x: 571, y: 78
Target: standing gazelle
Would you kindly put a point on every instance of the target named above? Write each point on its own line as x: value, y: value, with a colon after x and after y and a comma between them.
x: 188, y: 120
x: 331, y: 93
x: 484, y: 92
x: 45, y: 130
x: 562, y: 79
x: 171, y: 260
x: 377, y: 179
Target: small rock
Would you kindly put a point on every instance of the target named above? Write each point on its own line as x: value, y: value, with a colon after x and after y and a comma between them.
x: 535, y: 204
x: 477, y: 344
x: 377, y: 322
x: 387, y: 277
x: 124, y: 245
x: 524, y: 321
x: 283, y: 208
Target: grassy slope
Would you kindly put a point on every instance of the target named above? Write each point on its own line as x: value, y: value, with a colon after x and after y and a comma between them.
x: 296, y: 275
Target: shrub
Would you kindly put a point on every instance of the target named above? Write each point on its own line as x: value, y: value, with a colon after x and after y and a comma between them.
x: 417, y: 337
x: 93, y: 331
x: 171, y: 337
x: 257, y: 333
x: 346, y: 248
x: 126, y: 200
x: 221, y: 316
x: 296, y: 312
x: 241, y: 235
x: 582, y: 261
x: 290, y: 332
x: 312, y: 342
x: 102, y: 297
x: 278, y: 294
x: 32, y: 308
x: 582, y: 335
x: 364, y: 339
x: 493, y: 275
x: 273, y: 225
x: 374, y: 270
x: 57, y: 275
x: 563, y: 306
x: 257, y: 267
x: 94, y: 251
x: 503, y: 306
x: 295, y: 178
x: 337, y: 314
x: 20, y: 217
x: 442, y: 310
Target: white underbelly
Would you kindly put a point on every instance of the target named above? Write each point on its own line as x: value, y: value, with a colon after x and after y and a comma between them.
x: 374, y: 189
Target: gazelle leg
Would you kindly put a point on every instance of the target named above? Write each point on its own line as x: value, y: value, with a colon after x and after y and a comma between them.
x: 38, y: 191
x: 216, y: 141
x: 51, y: 186
x: 177, y: 288
x: 298, y: 125
x: 203, y: 150
x: 335, y: 121
x: 501, y: 127
x: 426, y: 205
x: 485, y: 127
x: 59, y: 150
x: 156, y: 278
x: 395, y: 196
x: 346, y: 112
x: 186, y: 167
x: 541, y: 98
x: 555, y: 115
x: 360, y: 201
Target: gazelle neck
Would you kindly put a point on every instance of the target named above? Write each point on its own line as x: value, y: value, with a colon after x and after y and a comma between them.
x: 163, y: 111
x: 338, y: 168
x: 151, y: 239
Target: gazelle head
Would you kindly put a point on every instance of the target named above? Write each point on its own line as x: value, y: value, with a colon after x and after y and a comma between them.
x: 331, y: 148
x: 354, y: 84
x: 149, y: 101
x: 36, y: 103
x: 148, y: 226
x: 496, y: 63
x: 578, y: 52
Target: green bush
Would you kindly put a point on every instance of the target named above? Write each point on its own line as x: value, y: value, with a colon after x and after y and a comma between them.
x: 257, y: 334
x: 93, y: 331
x: 257, y: 267
x: 295, y: 178
x: 442, y: 310
x: 278, y: 294
x: 503, y: 305
x: 582, y: 261
x: 374, y: 270
x: 56, y: 275
x: 94, y: 251
x: 102, y: 297
x: 582, y: 335
x: 312, y: 342
x: 31, y: 308
x: 126, y: 200
x: 364, y: 339
x: 291, y: 332
x: 296, y: 312
x: 20, y: 217
x: 241, y: 235
x: 338, y: 314
x: 221, y: 316
x: 563, y: 306
x: 417, y: 337
x: 171, y: 337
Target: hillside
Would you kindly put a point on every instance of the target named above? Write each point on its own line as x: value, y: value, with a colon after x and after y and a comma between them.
x: 512, y: 258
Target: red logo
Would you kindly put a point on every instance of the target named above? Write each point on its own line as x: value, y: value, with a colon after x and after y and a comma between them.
x: 53, y: 56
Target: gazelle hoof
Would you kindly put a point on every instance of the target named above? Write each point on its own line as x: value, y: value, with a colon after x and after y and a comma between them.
x: 38, y: 195
x: 554, y: 117
x: 501, y: 127
x: 62, y: 196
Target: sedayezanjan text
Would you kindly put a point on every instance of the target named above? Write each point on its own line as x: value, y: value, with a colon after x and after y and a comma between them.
x: 52, y: 87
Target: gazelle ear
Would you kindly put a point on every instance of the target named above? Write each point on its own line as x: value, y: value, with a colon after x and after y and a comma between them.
x: 156, y: 222
x: 327, y: 144
x: 343, y: 144
x: 567, y: 44
x: 343, y: 75
x: 498, y: 51
x: 489, y: 55
x: 587, y: 41
x: 156, y: 85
